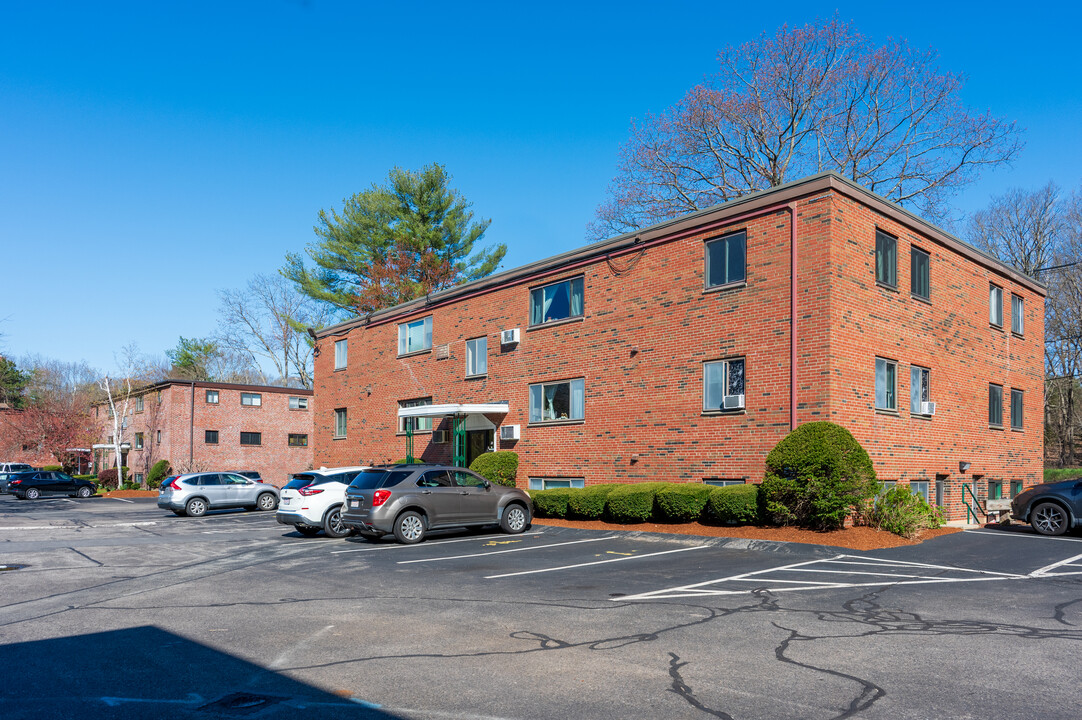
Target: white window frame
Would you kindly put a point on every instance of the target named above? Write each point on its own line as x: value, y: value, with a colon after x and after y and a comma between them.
x: 405, y: 347
x: 924, y: 390
x: 477, y: 356
x: 1018, y: 315
x: 725, y: 367
x: 995, y: 305
x: 139, y: 440
x: 341, y: 419
x: 538, y: 311
x: 540, y: 397
x: 341, y: 354
x: 297, y: 402
x: 921, y: 487
x: 552, y: 483
x: 254, y: 399
x: 208, y: 395
x: 890, y: 394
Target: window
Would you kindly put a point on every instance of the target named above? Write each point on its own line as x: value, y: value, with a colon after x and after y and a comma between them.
x: 995, y: 405
x: 415, y: 336
x: 477, y: 356
x: 111, y: 412
x: 341, y: 351
x: 556, y: 301
x: 253, y: 399
x: 340, y: 423
x: 298, y: 440
x: 551, y: 483
x: 159, y: 397
x: 726, y: 260
x: 886, y: 259
x: 940, y: 490
x: 920, y: 487
x: 995, y: 490
x: 251, y: 438
x: 212, y: 397
x: 110, y: 440
x: 919, y: 271
x: 298, y: 403
x: 139, y: 404
x: 1016, y: 409
x: 1018, y: 320
x: 723, y: 385
x: 419, y: 423
x: 1016, y: 487
x: 138, y: 441
x: 159, y: 439
x: 919, y: 380
x: 721, y: 482
x: 885, y: 371
x: 553, y: 402
x: 210, y: 437
x: 995, y: 305
x: 139, y: 478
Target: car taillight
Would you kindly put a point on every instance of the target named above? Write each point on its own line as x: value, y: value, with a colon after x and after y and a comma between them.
x: 173, y: 485
x: 16, y: 482
x: 306, y: 491
x: 379, y: 497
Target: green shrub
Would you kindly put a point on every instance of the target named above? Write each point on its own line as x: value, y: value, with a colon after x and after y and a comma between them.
x: 157, y: 473
x: 632, y: 503
x: 53, y: 468
x: 498, y: 467
x: 817, y: 476
x: 551, y: 503
x: 682, y: 502
x: 588, y: 503
x: 904, y: 512
x: 734, y: 504
x: 91, y: 478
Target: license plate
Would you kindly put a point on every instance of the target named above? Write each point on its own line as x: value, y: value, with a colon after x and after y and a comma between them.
x: 354, y: 503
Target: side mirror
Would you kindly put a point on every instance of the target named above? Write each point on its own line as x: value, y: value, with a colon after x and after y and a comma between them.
x: 488, y: 485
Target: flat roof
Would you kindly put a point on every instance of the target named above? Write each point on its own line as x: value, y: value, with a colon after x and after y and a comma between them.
x: 453, y: 409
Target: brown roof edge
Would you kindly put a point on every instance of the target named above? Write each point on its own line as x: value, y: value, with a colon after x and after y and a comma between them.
x: 738, y: 206
x: 162, y: 384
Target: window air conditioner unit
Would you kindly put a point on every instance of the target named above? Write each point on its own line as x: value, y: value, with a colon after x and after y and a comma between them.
x: 927, y: 408
x: 733, y: 402
x: 509, y: 337
x: 509, y: 432
x: 439, y: 437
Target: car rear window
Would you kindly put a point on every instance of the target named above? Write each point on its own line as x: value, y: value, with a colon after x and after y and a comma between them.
x: 304, y: 480
x: 369, y: 479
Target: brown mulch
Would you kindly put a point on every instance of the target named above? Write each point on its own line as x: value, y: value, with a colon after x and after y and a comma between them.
x: 130, y: 493
x: 853, y: 538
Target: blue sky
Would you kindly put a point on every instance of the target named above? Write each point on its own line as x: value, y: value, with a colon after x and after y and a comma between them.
x: 152, y: 153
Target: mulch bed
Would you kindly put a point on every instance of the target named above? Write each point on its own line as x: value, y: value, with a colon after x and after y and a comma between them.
x: 130, y: 493
x: 853, y: 538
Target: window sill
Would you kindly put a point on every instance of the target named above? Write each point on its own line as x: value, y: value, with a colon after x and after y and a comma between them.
x: 1020, y: 336
x: 887, y: 411
x: 426, y: 351
x: 551, y: 423
x: 723, y: 413
x: 920, y: 416
x: 1017, y: 430
x: 918, y: 298
x: 726, y: 286
x: 338, y: 437
x: 339, y: 369
x: 886, y: 286
x: 298, y: 409
x: 993, y: 326
x: 415, y: 433
x: 482, y: 376
x: 553, y: 323
x: 995, y: 427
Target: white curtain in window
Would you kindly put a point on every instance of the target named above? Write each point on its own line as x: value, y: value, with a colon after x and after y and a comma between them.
x: 536, y: 403
x: 880, y: 383
x: 578, y: 399
x: 403, y: 341
x: 549, y: 412
x: 576, y: 297
x: 914, y: 389
x: 713, y: 384
x: 550, y: 294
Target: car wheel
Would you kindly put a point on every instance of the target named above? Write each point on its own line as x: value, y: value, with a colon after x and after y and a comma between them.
x: 333, y: 525
x: 1049, y: 519
x: 515, y: 519
x: 83, y: 492
x: 196, y: 507
x: 307, y: 530
x: 32, y: 493
x: 267, y: 501
x: 409, y: 528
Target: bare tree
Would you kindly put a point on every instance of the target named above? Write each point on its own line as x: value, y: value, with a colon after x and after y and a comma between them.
x: 809, y: 99
x: 265, y: 322
x: 56, y: 413
x: 1022, y: 228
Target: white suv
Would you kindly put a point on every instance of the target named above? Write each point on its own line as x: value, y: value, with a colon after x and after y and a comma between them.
x: 312, y: 501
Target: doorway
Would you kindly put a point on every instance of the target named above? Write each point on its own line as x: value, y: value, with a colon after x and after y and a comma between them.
x: 478, y: 442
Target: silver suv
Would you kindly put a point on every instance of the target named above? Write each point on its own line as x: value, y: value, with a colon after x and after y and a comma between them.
x: 410, y: 500
x: 195, y: 493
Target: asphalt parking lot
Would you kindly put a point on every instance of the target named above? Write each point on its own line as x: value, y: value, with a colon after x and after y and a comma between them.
x: 118, y: 609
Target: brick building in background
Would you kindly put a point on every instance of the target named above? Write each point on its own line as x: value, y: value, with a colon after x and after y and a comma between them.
x: 671, y: 353
x: 213, y: 426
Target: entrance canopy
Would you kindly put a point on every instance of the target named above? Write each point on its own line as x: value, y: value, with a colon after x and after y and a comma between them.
x: 453, y: 409
x: 466, y: 416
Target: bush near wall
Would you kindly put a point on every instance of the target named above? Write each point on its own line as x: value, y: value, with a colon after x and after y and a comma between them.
x: 53, y: 468
x: 588, y: 503
x: 158, y: 472
x: 551, y: 503
x: 500, y: 467
x: 904, y: 512
x: 734, y: 504
x: 632, y: 503
x: 91, y: 478
x: 108, y: 478
x: 682, y: 502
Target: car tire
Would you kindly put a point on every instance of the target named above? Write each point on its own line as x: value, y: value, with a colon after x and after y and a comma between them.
x: 32, y: 494
x: 1049, y: 519
x: 196, y: 507
x: 515, y: 519
x: 307, y: 530
x: 267, y: 501
x: 409, y: 528
x: 332, y: 523
x: 83, y: 492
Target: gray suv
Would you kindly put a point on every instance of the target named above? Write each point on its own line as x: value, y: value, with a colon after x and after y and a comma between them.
x: 195, y: 493
x: 410, y: 500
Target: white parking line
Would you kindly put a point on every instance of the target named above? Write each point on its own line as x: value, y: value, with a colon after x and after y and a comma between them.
x: 1048, y: 568
x: 122, y: 500
x: 597, y: 562
x: 428, y: 544
x: 78, y: 527
x: 501, y: 552
x: 1020, y: 535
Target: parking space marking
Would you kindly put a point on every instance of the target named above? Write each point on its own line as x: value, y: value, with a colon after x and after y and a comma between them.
x: 1021, y: 535
x: 79, y: 527
x: 123, y: 500
x: 774, y: 579
x: 596, y: 562
x: 501, y: 552
x: 427, y: 544
x: 1047, y: 569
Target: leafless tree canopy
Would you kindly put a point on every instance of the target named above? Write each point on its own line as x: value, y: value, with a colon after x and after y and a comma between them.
x: 1024, y: 229
x: 807, y: 100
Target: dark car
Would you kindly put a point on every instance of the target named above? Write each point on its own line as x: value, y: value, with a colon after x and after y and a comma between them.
x: 410, y: 500
x: 5, y: 477
x: 1052, y: 508
x: 32, y: 485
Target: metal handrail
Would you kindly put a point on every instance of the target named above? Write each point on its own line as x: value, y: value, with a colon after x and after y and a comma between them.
x: 972, y: 515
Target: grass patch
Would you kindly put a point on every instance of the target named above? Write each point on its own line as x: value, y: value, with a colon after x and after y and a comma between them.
x: 1057, y: 474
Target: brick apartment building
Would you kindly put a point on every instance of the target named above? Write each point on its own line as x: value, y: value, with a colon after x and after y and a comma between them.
x: 687, y: 350
x: 213, y: 426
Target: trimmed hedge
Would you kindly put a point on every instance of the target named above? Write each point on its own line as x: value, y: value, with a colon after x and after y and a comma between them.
x: 53, y: 468
x: 500, y: 467
x: 734, y: 504
x: 588, y: 503
x: 158, y: 473
x: 551, y: 503
x: 91, y: 478
x: 632, y: 503
x: 682, y: 502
